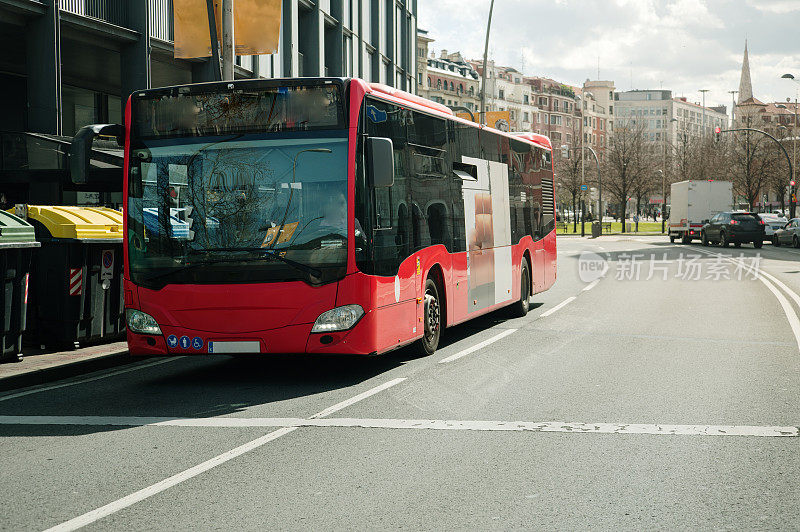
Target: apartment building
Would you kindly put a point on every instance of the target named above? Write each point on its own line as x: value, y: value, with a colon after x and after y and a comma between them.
x: 451, y: 80
x: 559, y: 115
x: 666, y: 118
x: 598, y: 114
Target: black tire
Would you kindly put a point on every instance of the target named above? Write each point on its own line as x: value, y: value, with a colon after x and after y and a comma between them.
x: 521, y: 307
x: 672, y: 238
x: 685, y: 239
x: 723, y: 240
x: 431, y: 319
x: 703, y: 238
x: 737, y: 244
x: 758, y: 244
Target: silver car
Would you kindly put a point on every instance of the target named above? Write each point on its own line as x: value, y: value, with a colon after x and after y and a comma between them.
x: 789, y: 235
x: 772, y: 222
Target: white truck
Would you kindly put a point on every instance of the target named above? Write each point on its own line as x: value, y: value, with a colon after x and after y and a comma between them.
x: 692, y: 202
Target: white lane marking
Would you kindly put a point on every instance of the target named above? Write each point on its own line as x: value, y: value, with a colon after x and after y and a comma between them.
x: 88, y: 379
x: 360, y: 397
x: 133, y: 498
x: 410, y: 424
x: 558, y: 307
x: 478, y: 346
x: 794, y: 322
x: 591, y: 285
x: 791, y: 315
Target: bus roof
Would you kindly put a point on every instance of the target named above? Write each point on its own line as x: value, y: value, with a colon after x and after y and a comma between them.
x: 376, y: 89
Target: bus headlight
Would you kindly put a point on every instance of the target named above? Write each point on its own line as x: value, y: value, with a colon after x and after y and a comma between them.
x: 141, y: 323
x: 338, y: 319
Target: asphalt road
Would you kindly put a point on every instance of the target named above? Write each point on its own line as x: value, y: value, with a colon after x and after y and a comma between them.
x: 664, y: 395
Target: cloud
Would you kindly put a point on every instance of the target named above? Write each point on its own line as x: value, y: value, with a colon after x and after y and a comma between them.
x: 682, y: 45
x: 775, y: 6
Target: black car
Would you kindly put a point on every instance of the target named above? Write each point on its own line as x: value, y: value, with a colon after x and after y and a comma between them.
x: 733, y: 227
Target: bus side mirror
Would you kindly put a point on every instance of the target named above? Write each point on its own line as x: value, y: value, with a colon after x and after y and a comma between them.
x: 80, y: 151
x: 380, y: 162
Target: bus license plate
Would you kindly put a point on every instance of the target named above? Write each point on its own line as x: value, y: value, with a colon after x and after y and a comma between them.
x: 234, y: 347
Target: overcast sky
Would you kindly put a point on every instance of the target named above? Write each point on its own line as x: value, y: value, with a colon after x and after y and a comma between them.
x: 681, y: 45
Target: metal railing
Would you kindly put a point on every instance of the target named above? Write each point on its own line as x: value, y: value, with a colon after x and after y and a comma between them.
x: 162, y: 21
x: 111, y: 11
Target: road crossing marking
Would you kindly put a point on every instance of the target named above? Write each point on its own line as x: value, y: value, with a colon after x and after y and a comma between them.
x: 133, y: 498
x: 654, y: 429
x: 477, y: 346
x: 558, y: 307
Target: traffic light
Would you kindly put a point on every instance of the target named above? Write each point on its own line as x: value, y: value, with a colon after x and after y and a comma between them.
x: 717, y: 132
x: 564, y: 151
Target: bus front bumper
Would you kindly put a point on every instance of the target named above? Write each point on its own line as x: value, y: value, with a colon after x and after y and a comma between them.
x: 359, y: 340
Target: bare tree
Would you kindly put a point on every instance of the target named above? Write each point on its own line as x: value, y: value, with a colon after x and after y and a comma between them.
x: 629, y: 162
x: 754, y: 159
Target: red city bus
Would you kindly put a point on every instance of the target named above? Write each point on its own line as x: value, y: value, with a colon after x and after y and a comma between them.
x: 324, y: 216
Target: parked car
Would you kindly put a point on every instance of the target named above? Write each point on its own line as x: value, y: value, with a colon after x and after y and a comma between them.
x: 789, y: 235
x: 733, y: 227
x: 772, y: 222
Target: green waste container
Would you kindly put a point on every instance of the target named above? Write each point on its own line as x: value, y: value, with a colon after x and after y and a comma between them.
x: 597, y: 229
x: 17, y: 242
x: 76, y: 276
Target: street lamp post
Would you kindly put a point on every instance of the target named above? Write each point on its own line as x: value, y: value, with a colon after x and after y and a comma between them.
x: 485, y: 65
x: 733, y: 107
x: 793, y: 189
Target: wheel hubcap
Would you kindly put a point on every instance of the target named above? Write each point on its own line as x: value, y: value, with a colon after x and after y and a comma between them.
x: 431, y: 316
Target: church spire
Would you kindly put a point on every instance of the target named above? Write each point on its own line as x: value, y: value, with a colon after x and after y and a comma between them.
x: 745, y: 85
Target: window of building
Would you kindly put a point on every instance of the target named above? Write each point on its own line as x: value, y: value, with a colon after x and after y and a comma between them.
x: 501, y: 94
x: 555, y: 105
x: 524, y: 117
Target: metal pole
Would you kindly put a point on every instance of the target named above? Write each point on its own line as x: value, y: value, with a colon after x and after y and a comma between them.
x: 212, y: 25
x: 793, y: 190
x: 227, y: 40
x: 485, y: 59
x: 583, y: 174
x: 703, y: 131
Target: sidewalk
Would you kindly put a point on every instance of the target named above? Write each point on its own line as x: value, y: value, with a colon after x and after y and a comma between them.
x: 41, y: 366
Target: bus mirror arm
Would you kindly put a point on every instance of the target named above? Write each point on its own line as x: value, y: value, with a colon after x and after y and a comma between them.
x: 380, y: 162
x: 80, y: 150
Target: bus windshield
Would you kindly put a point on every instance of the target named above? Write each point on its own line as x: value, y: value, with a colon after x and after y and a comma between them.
x: 230, y: 209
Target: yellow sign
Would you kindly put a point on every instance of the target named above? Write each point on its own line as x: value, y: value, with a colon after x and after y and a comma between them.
x: 419, y: 267
x: 497, y: 119
x: 257, y: 26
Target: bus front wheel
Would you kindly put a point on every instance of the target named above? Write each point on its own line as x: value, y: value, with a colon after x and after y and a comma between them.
x: 432, y: 319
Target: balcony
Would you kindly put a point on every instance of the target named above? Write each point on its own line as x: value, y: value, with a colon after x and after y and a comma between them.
x: 111, y: 11
x: 162, y: 22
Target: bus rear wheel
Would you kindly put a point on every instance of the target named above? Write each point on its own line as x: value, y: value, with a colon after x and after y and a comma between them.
x: 432, y: 319
x: 521, y: 307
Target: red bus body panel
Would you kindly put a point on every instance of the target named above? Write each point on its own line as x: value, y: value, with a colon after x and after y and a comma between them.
x: 280, y: 315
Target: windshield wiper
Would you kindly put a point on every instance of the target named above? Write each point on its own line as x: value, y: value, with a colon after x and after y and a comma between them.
x: 314, y: 272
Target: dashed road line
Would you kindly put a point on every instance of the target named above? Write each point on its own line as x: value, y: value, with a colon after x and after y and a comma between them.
x: 133, y: 498
x: 558, y: 307
x: 290, y: 424
x: 591, y: 285
x: 478, y: 346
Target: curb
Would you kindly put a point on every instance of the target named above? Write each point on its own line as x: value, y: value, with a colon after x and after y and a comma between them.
x: 66, y: 370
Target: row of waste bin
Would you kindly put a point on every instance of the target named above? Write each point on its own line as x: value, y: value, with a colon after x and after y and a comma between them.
x: 62, y: 276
